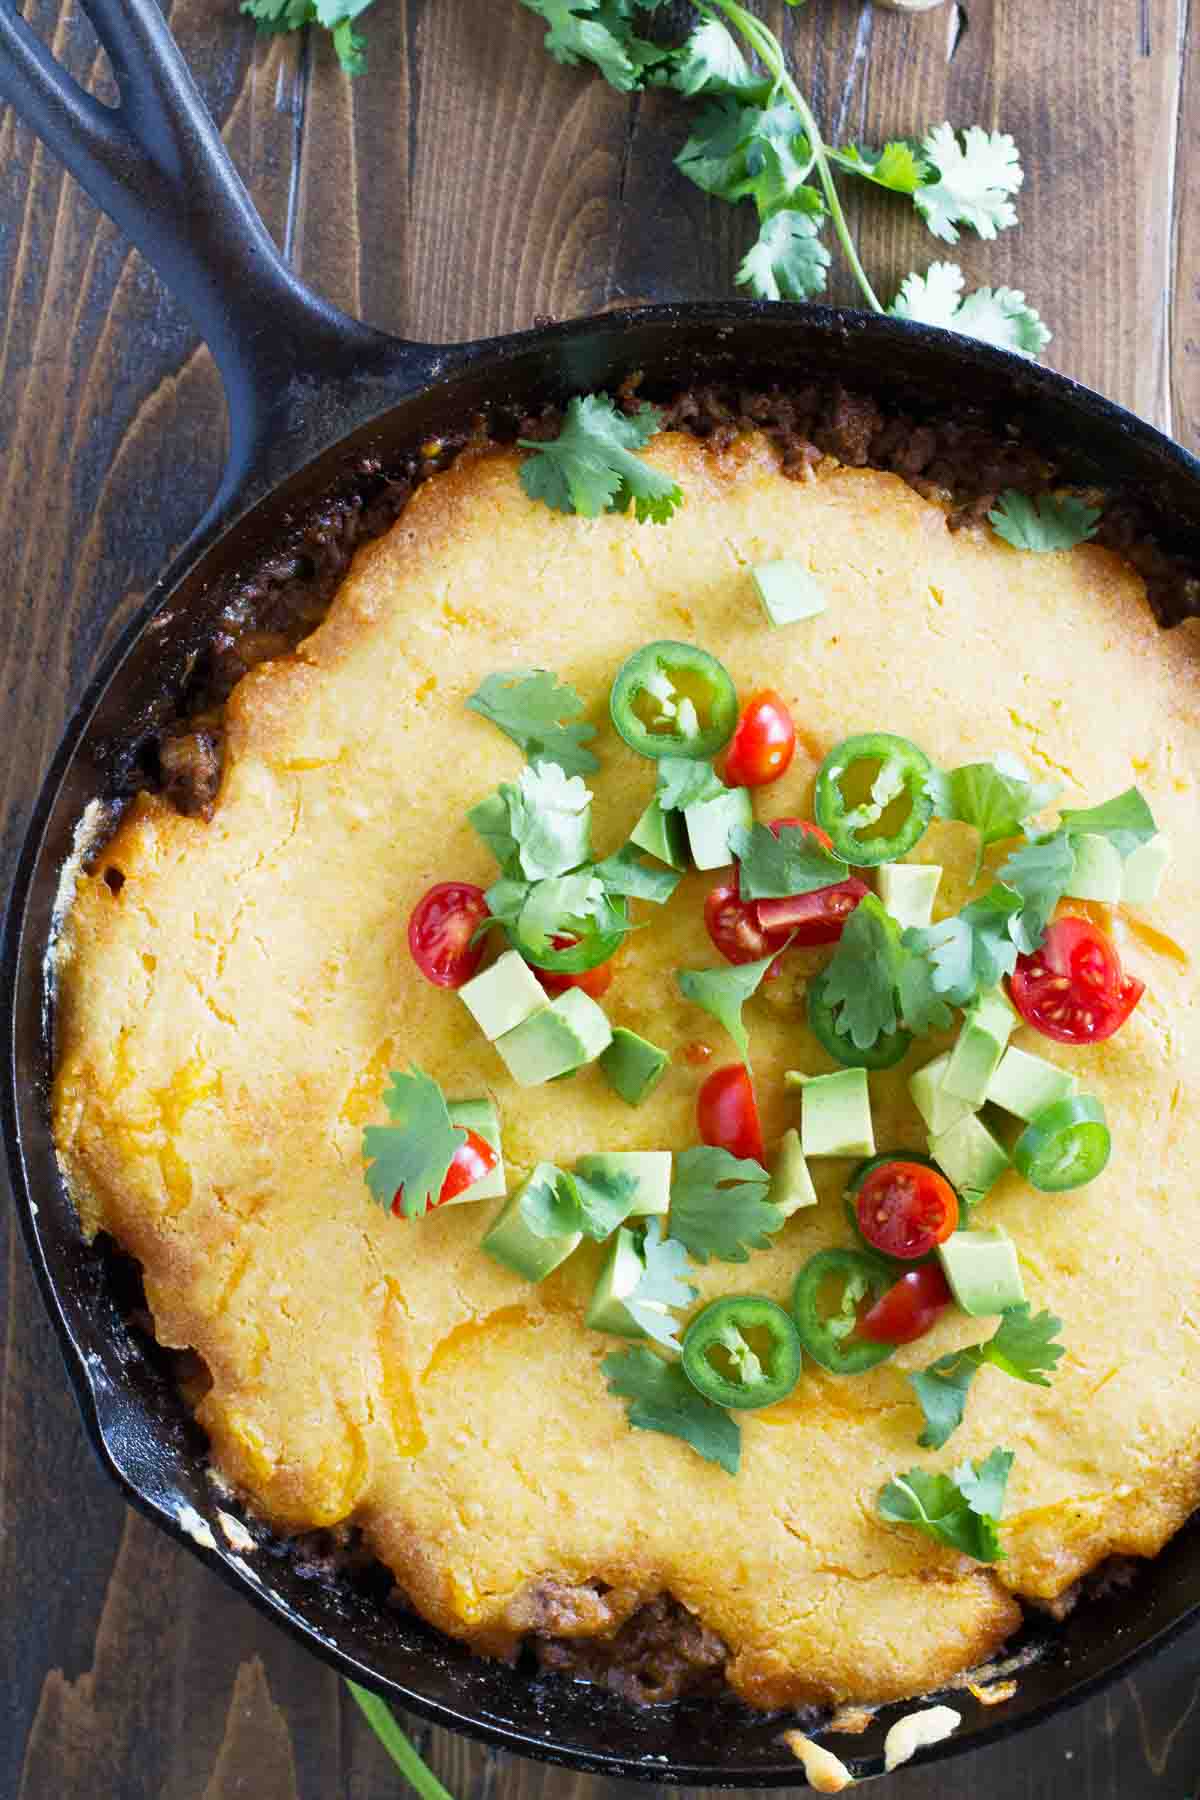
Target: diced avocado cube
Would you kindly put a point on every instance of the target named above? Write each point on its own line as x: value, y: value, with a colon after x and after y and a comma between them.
x: 939, y: 1109
x: 481, y: 1117
x: 620, y: 1273
x: 787, y: 591
x: 662, y: 834
x: 651, y: 1171
x: 1098, y: 872
x: 982, y: 1269
x: 1142, y: 874
x: 1026, y: 1085
x: 633, y: 1065
x: 970, y: 1156
x: 569, y: 1032
x: 835, y: 1115
x: 907, y: 891
x: 791, y: 1184
x: 504, y: 996
x: 986, y: 1029
x: 710, y: 822
x: 513, y: 1242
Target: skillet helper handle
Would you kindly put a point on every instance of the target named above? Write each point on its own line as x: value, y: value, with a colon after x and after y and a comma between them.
x: 156, y: 165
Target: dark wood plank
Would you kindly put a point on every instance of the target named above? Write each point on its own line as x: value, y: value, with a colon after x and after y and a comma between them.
x: 466, y: 186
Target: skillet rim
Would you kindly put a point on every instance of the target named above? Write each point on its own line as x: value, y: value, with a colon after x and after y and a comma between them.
x: 420, y: 370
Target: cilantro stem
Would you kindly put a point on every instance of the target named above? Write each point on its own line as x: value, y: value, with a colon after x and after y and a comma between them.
x: 770, y: 52
x: 403, y: 1753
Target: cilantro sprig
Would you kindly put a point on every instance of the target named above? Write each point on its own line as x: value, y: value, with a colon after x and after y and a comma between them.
x: 1051, y: 522
x: 961, y: 1510
x: 995, y: 797
x: 414, y: 1152
x: 663, y: 1287
x: 535, y: 709
x: 724, y: 992
x: 274, y: 17
x: 591, y: 467
x: 1023, y: 1345
x: 719, y: 1205
x: 661, y: 1398
x: 560, y: 1201
x: 774, y: 867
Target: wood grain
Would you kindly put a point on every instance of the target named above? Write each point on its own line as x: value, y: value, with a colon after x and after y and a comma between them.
x: 468, y: 185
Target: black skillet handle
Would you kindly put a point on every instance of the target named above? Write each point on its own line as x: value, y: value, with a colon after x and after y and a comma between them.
x: 158, y: 168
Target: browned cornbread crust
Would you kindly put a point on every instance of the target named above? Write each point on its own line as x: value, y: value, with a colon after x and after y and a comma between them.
x: 228, y: 1016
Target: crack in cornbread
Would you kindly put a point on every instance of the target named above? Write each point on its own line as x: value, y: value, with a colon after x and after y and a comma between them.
x: 230, y: 1002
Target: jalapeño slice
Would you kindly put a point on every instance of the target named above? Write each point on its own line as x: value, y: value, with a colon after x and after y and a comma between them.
x: 673, y: 700
x: 896, y: 793
x: 582, y: 944
x: 827, y: 1336
x: 887, y: 1050
x: 1066, y: 1146
x: 722, y: 1364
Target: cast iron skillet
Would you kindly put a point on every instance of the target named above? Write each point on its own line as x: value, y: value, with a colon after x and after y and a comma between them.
x: 309, y: 392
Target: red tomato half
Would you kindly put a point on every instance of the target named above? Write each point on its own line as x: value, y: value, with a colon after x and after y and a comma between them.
x: 816, y: 918
x: 470, y: 1163
x: 440, y: 932
x: 764, y: 742
x: 909, y: 1307
x: 727, y: 1112
x: 595, y: 981
x: 905, y: 1209
x: 1073, y: 988
x: 742, y: 932
x: 734, y: 928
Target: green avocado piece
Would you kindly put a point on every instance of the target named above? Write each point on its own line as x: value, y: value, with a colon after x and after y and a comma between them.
x: 981, y: 1043
x: 710, y: 822
x: 622, y: 1269
x: 504, y: 996
x: 1142, y: 874
x: 787, y: 591
x: 513, y: 1242
x: 907, y: 891
x: 651, y: 1171
x: 662, y: 834
x: 633, y: 1065
x: 939, y: 1109
x: 982, y: 1269
x: 1026, y: 1085
x: 835, y: 1115
x: 1098, y: 872
x: 481, y: 1117
x: 791, y: 1184
x: 569, y: 1032
x: 970, y: 1157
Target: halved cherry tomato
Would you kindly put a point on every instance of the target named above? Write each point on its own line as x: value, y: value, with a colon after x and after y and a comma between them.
x: 745, y: 930
x: 905, y: 1209
x: 1073, y: 988
x: 764, y: 741
x: 727, y: 1112
x: 816, y: 918
x: 734, y: 928
x: 909, y: 1308
x: 440, y: 932
x: 469, y: 1164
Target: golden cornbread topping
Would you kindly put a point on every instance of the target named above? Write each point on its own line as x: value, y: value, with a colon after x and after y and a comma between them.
x: 228, y: 1019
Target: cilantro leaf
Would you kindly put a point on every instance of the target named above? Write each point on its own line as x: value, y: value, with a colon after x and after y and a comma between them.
x: 719, y: 1205
x: 1125, y: 821
x: 997, y: 316
x: 505, y: 900
x: 995, y: 797
x: 551, y: 1206
x: 1040, y: 874
x: 972, y: 181
x: 723, y: 993
x: 591, y: 466
x: 626, y: 873
x: 774, y: 868
x: 710, y: 62
x: 898, y: 166
x: 714, y: 156
x: 549, y: 818
x: 1047, y: 523
x: 599, y: 32
x: 276, y: 16
x: 789, y: 261
x: 683, y: 781
x: 861, y: 976
x: 414, y: 1152
x: 921, y: 1007
x: 531, y: 706
x: 603, y: 1201
x: 663, y: 1286
x: 779, y: 158
x: 560, y: 906
x: 663, y: 1399
x: 1022, y: 1346
x: 973, y: 949
x: 960, y: 1510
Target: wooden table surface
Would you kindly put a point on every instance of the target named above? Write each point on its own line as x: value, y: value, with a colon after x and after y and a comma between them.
x: 467, y: 185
